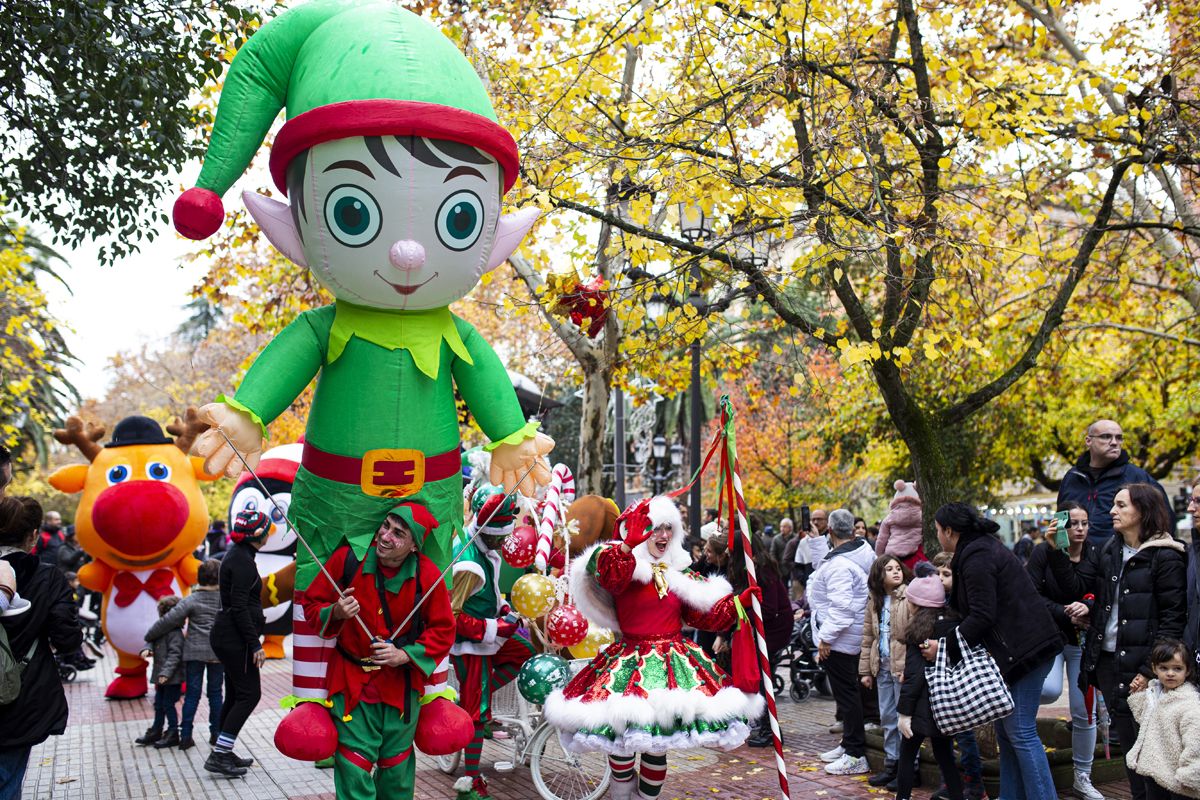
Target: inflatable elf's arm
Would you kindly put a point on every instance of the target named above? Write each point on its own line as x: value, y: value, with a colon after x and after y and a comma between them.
x: 516, y: 444
x: 274, y: 380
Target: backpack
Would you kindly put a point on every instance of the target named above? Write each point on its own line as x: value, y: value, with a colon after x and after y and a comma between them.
x: 11, y: 669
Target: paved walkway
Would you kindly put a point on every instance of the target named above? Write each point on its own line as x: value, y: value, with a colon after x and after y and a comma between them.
x: 97, y: 758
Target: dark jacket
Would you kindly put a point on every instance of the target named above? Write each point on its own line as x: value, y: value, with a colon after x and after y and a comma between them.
x: 1192, y: 634
x: 167, y: 648
x: 1153, y: 603
x: 240, y: 621
x: 47, y: 543
x: 40, y: 711
x: 199, y: 609
x: 1056, y: 595
x: 71, y: 556
x: 914, y: 690
x: 777, y: 612
x: 1000, y: 608
x: 1096, y: 494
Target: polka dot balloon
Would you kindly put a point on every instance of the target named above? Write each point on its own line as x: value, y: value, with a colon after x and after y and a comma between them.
x: 596, y: 640
x: 520, y: 547
x: 541, y: 675
x: 532, y: 595
x: 565, y: 626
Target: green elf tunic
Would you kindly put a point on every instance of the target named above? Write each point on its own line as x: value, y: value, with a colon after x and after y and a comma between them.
x: 386, y: 382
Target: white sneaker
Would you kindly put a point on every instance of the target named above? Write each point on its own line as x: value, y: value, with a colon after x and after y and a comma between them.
x: 833, y: 755
x: 1083, y: 787
x: 848, y: 765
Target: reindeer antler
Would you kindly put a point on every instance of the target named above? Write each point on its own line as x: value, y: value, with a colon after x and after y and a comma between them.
x: 75, y: 434
x: 187, y: 430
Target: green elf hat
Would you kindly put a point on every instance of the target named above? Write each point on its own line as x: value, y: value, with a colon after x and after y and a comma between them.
x: 418, y: 519
x: 340, y: 68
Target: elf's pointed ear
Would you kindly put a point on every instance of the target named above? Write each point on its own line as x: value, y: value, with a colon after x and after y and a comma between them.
x: 275, y: 219
x: 509, y: 233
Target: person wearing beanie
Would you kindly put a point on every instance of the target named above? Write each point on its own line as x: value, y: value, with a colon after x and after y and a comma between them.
x: 376, y: 674
x: 928, y: 619
x: 394, y: 165
x: 487, y: 653
x: 235, y: 638
x: 640, y: 587
x: 900, y: 533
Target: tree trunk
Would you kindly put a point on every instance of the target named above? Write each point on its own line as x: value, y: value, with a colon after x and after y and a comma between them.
x: 596, y: 385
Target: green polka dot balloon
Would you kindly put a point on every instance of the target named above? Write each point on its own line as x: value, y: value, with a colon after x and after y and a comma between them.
x: 541, y: 675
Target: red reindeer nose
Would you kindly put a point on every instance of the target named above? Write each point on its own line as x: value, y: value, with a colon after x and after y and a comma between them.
x: 139, y: 518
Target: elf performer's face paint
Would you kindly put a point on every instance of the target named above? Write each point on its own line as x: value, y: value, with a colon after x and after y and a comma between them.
x: 396, y: 222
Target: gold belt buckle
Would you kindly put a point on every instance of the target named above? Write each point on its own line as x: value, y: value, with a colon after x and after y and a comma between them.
x: 392, y: 472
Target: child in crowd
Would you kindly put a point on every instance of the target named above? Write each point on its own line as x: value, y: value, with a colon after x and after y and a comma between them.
x: 900, y: 533
x: 928, y: 618
x: 881, y: 664
x: 199, y: 609
x: 167, y: 677
x: 1167, y: 751
x: 970, y: 764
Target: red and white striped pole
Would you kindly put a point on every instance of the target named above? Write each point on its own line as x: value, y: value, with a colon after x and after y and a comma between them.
x: 737, y: 513
x: 559, y: 495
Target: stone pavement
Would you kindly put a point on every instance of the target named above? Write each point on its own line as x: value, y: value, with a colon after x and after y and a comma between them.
x: 96, y: 758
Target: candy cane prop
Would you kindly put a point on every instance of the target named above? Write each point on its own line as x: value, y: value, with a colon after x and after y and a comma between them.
x: 559, y: 494
x: 731, y: 491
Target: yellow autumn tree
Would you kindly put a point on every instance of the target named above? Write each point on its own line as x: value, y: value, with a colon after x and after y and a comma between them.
x: 932, y: 191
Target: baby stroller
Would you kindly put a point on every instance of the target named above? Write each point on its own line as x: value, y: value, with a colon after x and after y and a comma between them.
x: 806, y: 673
x: 70, y: 665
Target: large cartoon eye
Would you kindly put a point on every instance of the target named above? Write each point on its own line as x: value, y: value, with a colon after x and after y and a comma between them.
x: 117, y: 474
x: 352, y: 215
x: 158, y: 471
x: 460, y: 220
x: 251, y: 504
x: 277, y: 515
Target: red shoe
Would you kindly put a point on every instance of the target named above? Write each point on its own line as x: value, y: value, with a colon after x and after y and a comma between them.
x: 129, y: 684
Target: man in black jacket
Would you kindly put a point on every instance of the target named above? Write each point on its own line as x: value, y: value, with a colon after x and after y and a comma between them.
x: 1192, y: 632
x: 1098, y: 475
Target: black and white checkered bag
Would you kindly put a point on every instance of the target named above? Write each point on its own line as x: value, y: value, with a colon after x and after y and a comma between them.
x: 968, y: 694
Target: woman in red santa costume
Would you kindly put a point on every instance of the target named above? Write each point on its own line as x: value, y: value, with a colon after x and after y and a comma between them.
x: 652, y: 690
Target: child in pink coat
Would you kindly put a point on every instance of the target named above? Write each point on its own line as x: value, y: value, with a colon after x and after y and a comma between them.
x: 900, y: 532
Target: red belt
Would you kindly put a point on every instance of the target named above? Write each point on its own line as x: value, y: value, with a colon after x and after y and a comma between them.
x: 383, y: 472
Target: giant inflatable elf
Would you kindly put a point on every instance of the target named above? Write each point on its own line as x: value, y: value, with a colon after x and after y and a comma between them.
x: 394, y: 166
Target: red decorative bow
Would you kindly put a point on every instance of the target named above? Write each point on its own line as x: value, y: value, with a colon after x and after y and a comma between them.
x: 129, y: 586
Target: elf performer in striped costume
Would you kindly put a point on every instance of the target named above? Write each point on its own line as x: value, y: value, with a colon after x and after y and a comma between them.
x: 375, y: 682
x: 487, y: 652
x: 651, y: 690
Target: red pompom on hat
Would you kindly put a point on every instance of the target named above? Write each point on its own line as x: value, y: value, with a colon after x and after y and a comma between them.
x: 198, y: 213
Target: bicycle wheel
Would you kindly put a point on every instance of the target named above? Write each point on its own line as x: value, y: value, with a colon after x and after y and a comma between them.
x: 448, y: 764
x: 559, y: 775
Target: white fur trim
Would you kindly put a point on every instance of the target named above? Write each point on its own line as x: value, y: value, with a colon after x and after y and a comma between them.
x: 632, y: 742
x: 662, y: 707
x: 489, y: 631
x: 471, y: 567
x: 590, y: 597
x: 463, y: 784
x: 595, y: 603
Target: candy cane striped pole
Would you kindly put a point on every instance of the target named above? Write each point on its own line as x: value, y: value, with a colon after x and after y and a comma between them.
x: 737, y: 507
x: 560, y: 492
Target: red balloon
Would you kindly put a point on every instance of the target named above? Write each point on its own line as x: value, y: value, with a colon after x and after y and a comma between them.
x: 566, y: 626
x: 520, y: 548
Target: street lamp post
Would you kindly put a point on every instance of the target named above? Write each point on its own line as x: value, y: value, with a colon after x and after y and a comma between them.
x: 694, y: 225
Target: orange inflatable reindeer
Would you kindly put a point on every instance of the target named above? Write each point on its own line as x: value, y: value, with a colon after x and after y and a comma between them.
x: 140, y: 517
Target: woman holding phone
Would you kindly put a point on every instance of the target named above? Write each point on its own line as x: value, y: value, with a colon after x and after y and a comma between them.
x: 1136, y: 581
x: 1068, y: 532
